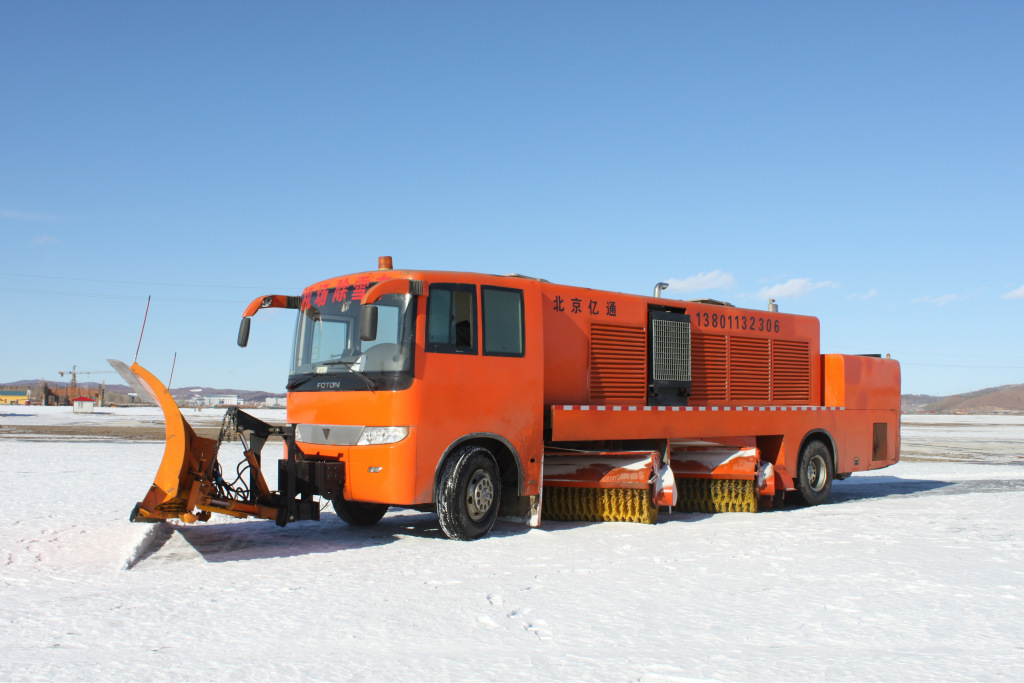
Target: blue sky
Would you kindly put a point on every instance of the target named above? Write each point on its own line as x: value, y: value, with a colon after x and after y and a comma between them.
x: 862, y: 162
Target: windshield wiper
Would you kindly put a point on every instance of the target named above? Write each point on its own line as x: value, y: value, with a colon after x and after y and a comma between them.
x: 348, y: 364
x: 296, y: 380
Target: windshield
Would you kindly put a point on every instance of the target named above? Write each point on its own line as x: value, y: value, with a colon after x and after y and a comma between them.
x: 329, y: 355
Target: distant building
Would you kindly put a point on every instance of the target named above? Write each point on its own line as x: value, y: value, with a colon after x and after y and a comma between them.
x: 19, y: 397
x: 276, y: 402
x: 221, y: 400
x: 83, y: 404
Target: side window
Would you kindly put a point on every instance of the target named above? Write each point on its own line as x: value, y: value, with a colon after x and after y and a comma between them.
x: 451, y: 319
x: 504, y: 321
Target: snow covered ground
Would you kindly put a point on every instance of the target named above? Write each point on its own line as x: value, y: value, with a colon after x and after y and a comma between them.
x: 913, y: 572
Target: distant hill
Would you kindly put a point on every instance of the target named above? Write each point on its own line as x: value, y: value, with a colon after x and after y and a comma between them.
x: 115, y: 390
x: 915, y: 403
x: 1008, y: 398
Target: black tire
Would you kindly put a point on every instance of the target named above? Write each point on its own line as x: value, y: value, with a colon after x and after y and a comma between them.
x: 814, y: 473
x: 468, y: 493
x: 359, y: 514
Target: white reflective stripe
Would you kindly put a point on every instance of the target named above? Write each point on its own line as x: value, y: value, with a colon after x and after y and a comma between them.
x: 675, y: 409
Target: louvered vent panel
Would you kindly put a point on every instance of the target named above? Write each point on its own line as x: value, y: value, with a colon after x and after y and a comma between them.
x: 618, y: 365
x: 791, y: 371
x: 748, y: 369
x: 707, y: 352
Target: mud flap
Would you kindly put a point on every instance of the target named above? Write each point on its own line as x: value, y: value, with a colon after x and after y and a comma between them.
x: 522, y: 510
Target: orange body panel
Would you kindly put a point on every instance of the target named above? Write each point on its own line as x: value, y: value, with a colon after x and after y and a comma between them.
x: 617, y: 470
x: 271, y: 301
x: 396, y: 482
x: 861, y: 382
x: 851, y: 431
x: 711, y: 460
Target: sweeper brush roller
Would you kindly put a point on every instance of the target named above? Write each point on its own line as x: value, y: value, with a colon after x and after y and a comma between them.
x: 601, y: 486
x: 572, y: 504
x: 716, y: 495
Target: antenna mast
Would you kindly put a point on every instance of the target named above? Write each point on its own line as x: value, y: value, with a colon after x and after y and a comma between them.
x: 148, y: 298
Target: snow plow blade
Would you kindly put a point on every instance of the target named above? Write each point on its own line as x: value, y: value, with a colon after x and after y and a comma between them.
x: 186, y: 483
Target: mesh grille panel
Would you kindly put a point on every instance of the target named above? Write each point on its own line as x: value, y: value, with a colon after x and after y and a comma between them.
x: 671, y: 350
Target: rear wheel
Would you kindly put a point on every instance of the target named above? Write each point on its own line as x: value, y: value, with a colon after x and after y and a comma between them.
x: 467, y: 497
x: 359, y: 514
x: 814, y: 473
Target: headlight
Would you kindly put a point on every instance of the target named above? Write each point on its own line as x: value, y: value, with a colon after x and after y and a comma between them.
x: 377, y: 435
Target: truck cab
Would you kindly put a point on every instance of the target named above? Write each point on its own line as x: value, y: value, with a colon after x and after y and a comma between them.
x: 398, y: 374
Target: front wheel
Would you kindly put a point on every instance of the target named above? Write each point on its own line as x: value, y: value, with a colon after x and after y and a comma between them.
x: 467, y: 497
x: 814, y: 473
x: 358, y: 514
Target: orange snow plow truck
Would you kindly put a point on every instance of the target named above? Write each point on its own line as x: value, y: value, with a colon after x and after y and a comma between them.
x: 481, y: 395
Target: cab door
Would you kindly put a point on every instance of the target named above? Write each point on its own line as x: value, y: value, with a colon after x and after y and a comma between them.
x: 481, y: 374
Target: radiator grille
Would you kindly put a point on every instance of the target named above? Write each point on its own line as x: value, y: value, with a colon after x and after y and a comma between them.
x: 791, y: 372
x: 748, y: 369
x: 671, y: 350
x: 618, y: 365
x: 709, y: 367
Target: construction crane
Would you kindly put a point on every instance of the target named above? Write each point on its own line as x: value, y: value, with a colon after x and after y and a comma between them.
x: 75, y: 372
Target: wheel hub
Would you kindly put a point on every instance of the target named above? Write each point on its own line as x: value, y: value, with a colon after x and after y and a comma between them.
x: 479, y: 495
x: 816, y: 473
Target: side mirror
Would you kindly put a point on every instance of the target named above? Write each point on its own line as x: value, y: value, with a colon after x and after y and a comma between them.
x: 368, y: 323
x: 243, y: 332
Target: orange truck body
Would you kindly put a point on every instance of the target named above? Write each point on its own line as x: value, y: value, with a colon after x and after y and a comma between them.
x: 583, y: 377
